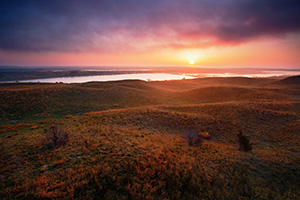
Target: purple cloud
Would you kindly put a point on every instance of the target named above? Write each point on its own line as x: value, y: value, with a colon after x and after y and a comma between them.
x: 42, y: 26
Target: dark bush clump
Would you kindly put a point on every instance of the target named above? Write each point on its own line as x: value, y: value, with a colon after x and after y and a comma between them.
x: 244, y: 143
x: 192, y: 137
x: 56, y: 136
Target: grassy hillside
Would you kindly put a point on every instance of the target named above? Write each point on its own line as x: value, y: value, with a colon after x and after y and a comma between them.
x: 129, y: 140
x: 24, y: 101
x: 294, y: 80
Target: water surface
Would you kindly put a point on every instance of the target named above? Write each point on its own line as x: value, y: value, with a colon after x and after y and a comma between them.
x: 118, y: 77
x: 162, y: 76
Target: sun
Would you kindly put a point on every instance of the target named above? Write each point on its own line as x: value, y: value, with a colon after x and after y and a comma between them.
x: 192, y: 62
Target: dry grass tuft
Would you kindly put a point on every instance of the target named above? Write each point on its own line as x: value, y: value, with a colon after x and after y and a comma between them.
x: 204, y: 135
x: 56, y: 136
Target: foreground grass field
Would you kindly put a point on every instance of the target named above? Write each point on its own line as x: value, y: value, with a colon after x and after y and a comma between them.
x: 127, y: 140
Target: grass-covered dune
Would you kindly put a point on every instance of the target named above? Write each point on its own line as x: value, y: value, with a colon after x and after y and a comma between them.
x: 19, y: 101
x: 129, y: 140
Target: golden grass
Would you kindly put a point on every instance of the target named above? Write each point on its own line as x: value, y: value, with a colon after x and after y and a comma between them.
x: 130, y: 142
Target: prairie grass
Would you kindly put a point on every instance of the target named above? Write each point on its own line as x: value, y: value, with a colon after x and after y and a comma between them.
x: 126, y: 141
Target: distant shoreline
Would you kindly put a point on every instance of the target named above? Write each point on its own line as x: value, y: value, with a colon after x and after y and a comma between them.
x: 21, y: 75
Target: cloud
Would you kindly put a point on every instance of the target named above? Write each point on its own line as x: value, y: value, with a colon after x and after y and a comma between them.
x: 252, y: 19
x: 104, y: 26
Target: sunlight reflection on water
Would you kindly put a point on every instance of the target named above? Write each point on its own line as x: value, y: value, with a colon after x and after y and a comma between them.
x: 264, y: 74
x: 159, y: 77
x: 141, y: 76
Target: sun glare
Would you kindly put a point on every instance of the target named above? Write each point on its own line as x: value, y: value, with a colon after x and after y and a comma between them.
x: 191, y: 62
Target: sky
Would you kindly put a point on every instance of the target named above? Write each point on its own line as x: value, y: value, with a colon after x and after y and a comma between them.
x: 212, y: 33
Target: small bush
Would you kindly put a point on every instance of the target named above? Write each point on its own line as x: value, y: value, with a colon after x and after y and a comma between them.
x: 244, y: 142
x: 56, y: 136
x: 192, y: 137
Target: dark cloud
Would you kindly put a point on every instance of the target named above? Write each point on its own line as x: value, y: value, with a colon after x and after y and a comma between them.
x: 35, y: 25
x: 251, y: 19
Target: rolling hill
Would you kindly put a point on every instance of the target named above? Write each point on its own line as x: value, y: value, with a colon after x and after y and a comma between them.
x: 129, y: 140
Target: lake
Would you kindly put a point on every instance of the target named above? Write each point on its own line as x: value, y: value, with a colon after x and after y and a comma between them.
x: 117, y: 77
x: 147, y: 76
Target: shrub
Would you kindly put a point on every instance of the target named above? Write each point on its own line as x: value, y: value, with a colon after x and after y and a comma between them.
x: 192, y: 137
x: 56, y: 136
x: 244, y: 142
